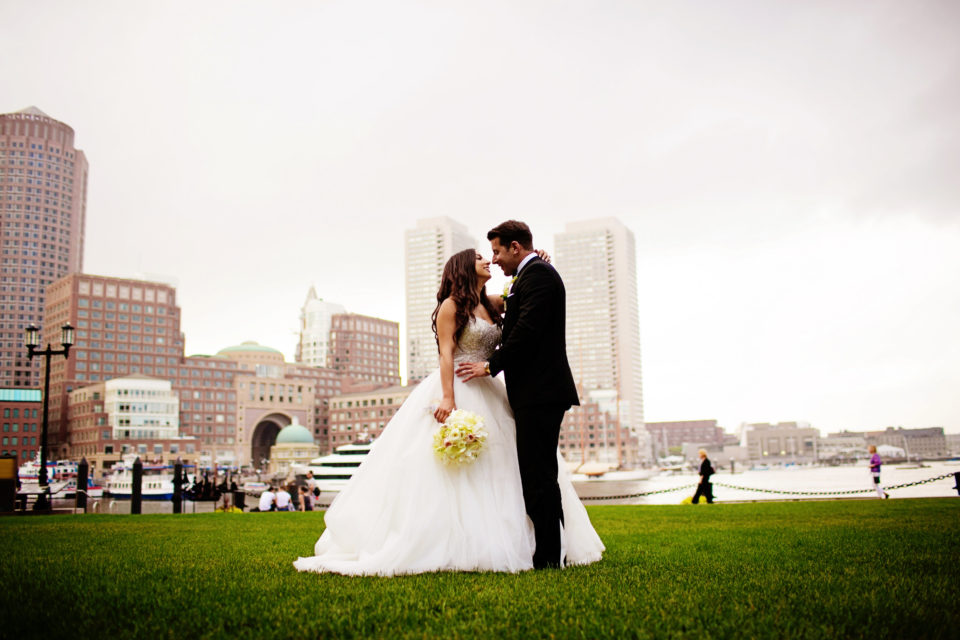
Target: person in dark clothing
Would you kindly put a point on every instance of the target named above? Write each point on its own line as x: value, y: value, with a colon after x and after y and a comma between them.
x: 705, y: 487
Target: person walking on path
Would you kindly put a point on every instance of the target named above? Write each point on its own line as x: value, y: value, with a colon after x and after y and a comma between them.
x: 875, y: 463
x: 705, y: 487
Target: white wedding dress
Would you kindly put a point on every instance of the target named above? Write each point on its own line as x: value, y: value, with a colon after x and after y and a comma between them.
x: 404, y: 511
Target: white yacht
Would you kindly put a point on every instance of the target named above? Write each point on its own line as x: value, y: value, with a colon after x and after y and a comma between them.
x: 333, y: 471
x: 157, y: 481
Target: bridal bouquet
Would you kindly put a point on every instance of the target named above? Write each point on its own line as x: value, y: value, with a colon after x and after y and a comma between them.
x: 460, y: 439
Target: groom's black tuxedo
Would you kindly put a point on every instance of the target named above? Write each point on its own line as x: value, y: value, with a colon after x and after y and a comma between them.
x: 533, y: 351
x: 533, y: 357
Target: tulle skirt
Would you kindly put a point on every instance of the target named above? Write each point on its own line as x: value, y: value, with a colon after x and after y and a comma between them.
x: 404, y: 511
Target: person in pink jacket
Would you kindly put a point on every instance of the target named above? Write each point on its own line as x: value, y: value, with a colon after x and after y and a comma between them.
x: 875, y: 463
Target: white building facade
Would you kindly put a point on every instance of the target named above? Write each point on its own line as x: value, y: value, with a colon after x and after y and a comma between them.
x: 428, y: 246
x: 139, y: 407
x: 315, y: 318
x: 597, y: 260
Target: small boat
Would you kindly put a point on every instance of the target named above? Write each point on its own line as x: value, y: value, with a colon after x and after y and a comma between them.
x: 56, y: 470
x: 156, y: 483
x: 333, y: 471
x: 61, y: 477
x: 254, y: 487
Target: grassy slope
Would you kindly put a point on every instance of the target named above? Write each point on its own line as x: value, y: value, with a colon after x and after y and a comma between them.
x: 815, y: 569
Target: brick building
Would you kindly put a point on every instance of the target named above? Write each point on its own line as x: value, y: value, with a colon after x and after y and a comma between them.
x: 591, y: 432
x: 667, y: 435
x: 22, y: 412
x: 364, y: 413
x: 365, y: 348
x: 123, y: 327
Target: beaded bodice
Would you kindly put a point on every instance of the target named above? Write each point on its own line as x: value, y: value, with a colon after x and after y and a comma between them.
x: 477, y: 342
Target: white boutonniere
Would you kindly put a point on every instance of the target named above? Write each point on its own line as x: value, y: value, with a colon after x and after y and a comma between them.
x: 506, y: 291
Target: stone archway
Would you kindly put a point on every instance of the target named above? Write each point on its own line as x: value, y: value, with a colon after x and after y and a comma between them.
x: 265, y: 436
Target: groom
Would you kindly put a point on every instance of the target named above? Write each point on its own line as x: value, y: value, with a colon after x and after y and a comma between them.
x: 540, y: 387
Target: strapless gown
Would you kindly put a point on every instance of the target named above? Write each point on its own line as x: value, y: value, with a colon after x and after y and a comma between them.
x: 404, y: 511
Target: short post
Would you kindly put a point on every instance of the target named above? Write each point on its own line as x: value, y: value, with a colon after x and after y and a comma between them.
x: 83, y: 469
x: 956, y: 480
x: 8, y: 482
x: 136, y: 492
x: 178, y: 486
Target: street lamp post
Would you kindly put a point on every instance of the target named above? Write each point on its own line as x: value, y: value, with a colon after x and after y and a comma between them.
x: 32, y: 341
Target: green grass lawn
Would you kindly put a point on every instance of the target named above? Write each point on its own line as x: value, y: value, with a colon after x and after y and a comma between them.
x: 869, y: 569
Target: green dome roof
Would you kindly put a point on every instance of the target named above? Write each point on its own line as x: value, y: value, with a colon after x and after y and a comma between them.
x: 295, y: 433
x: 249, y: 345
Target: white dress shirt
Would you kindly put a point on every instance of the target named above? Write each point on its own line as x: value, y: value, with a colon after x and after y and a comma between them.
x: 266, y: 500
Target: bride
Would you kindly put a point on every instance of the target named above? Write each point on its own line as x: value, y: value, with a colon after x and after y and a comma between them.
x: 404, y: 511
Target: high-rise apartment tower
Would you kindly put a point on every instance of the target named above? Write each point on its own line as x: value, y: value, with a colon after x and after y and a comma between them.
x: 315, y: 315
x: 43, y: 201
x: 428, y: 247
x: 597, y: 259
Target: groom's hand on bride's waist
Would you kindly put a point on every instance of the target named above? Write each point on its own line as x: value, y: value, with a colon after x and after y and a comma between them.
x: 469, y: 370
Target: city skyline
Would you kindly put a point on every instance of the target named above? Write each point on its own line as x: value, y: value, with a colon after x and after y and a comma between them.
x: 787, y: 172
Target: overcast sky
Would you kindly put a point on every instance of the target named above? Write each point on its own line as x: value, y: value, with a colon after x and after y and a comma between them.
x: 791, y: 171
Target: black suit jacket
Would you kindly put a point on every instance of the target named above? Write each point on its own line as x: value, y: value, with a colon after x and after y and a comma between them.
x: 706, y: 469
x: 533, y: 351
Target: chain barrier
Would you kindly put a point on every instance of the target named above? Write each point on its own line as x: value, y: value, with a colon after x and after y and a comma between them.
x: 773, y: 491
x: 641, y: 494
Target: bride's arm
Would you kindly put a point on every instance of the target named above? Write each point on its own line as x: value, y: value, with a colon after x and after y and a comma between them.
x: 446, y: 327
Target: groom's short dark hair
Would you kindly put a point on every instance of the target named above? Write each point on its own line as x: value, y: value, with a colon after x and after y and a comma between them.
x: 512, y: 230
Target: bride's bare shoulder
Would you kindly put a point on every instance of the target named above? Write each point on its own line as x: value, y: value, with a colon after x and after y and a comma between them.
x: 448, y: 308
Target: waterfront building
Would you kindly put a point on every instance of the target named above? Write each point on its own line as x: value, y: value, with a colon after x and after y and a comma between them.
x: 917, y: 443
x: 233, y: 403
x: 131, y: 414
x: 589, y: 433
x: 123, y: 327
x: 22, y: 411
x: 668, y: 435
x: 726, y: 456
x: 363, y: 414
x: 597, y: 259
x: 428, y: 246
x: 843, y: 445
x: 208, y: 405
x: 781, y: 442
x: 43, y: 203
x: 315, y: 319
x: 953, y: 444
x: 294, y: 445
x: 365, y: 348
x: 272, y: 394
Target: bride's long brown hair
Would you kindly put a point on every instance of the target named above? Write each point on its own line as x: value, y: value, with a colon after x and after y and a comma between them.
x: 459, y: 282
